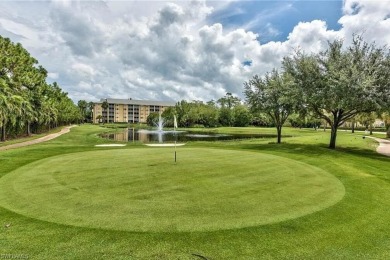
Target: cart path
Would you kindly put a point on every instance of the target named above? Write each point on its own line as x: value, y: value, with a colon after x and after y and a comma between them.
x: 384, y: 146
x: 38, y: 140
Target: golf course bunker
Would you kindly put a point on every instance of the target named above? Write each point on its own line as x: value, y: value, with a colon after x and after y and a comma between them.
x: 144, y: 190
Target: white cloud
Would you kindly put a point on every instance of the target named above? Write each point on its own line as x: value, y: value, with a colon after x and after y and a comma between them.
x: 370, y: 18
x: 52, y: 75
x: 165, y: 51
x: 83, y: 70
x: 311, y: 36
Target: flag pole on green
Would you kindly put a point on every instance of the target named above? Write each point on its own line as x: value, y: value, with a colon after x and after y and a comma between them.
x: 174, y: 128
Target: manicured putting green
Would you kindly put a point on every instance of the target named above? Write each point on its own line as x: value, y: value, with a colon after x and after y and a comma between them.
x: 144, y: 190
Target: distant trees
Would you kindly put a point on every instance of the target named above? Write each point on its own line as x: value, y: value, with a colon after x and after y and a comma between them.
x: 367, y: 120
x: 27, y: 102
x: 241, y: 115
x: 232, y: 112
x: 385, y: 116
x: 307, y: 120
x: 152, y: 119
x: 83, y: 106
x: 227, y: 111
x: 226, y: 103
x: 86, y: 110
x: 196, y: 113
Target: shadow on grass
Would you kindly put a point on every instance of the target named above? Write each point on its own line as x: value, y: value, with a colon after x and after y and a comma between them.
x: 315, y: 150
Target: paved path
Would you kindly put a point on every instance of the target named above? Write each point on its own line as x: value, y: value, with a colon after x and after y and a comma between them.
x: 38, y: 140
x: 384, y: 146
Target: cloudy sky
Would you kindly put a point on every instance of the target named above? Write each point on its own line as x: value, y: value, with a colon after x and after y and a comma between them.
x: 193, y: 50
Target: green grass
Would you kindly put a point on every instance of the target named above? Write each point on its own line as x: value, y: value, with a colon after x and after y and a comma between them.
x: 29, y: 138
x: 356, y: 227
x: 144, y: 190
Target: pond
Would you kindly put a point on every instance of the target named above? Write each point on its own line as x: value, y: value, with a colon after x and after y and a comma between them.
x: 155, y: 136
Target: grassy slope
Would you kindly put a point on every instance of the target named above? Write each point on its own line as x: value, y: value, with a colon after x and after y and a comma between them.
x: 356, y: 227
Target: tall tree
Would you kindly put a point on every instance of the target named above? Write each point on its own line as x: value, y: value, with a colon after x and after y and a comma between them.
x: 25, y: 97
x: 228, y: 101
x: 91, y: 105
x: 341, y: 82
x: 208, y: 114
x: 105, y: 107
x: 226, y: 114
x: 182, y: 109
x: 272, y: 95
x: 242, y: 115
x: 83, y: 106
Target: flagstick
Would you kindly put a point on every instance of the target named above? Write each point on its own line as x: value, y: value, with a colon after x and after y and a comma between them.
x: 174, y: 129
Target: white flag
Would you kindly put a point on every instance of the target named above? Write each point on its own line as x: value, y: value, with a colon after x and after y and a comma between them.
x: 174, y: 122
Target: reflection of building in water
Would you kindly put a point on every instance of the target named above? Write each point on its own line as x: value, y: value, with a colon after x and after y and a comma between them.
x: 146, y: 136
x: 128, y: 110
x: 122, y: 137
x: 143, y: 137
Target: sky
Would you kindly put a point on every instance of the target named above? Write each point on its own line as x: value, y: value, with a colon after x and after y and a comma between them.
x: 175, y: 50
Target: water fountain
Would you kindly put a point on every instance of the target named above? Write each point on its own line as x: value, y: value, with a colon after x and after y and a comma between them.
x: 160, y: 123
x: 160, y: 132
x: 159, y: 135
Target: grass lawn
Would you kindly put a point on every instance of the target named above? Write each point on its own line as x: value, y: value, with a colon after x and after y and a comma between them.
x: 249, y: 199
x: 29, y: 138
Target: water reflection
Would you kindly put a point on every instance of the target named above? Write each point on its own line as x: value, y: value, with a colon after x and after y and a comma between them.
x: 150, y: 136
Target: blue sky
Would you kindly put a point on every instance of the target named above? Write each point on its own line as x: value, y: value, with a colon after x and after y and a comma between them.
x: 274, y: 20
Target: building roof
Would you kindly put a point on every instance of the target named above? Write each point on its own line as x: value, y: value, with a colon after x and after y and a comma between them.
x: 137, y: 102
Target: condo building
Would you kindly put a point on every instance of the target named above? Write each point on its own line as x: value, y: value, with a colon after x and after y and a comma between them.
x: 127, y: 110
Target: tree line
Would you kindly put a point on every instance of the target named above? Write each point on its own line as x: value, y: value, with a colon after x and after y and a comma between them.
x: 28, y: 103
x: 337, y: 85
x: 226, y: 111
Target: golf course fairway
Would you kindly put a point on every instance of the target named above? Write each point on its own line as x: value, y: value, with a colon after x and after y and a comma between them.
x: 143, y: 189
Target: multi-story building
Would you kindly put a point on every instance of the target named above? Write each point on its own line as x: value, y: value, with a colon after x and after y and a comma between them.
x: 127, y: 110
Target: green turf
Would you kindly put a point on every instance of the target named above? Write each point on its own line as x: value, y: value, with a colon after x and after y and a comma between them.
x: 29, y: 138
x: 144, y: 190
x: 357, y: 227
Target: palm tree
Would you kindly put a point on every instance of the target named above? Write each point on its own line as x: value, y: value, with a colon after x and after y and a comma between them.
x: 26, y: 100
x: 11, y: 111
x: 28, y: 115
x: 105, y: 106
x: 83, y: 105
x: 4, y: 108
x: 91, y: 105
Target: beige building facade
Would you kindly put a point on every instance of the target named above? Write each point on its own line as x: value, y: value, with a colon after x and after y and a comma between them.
x: 127, y: 110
